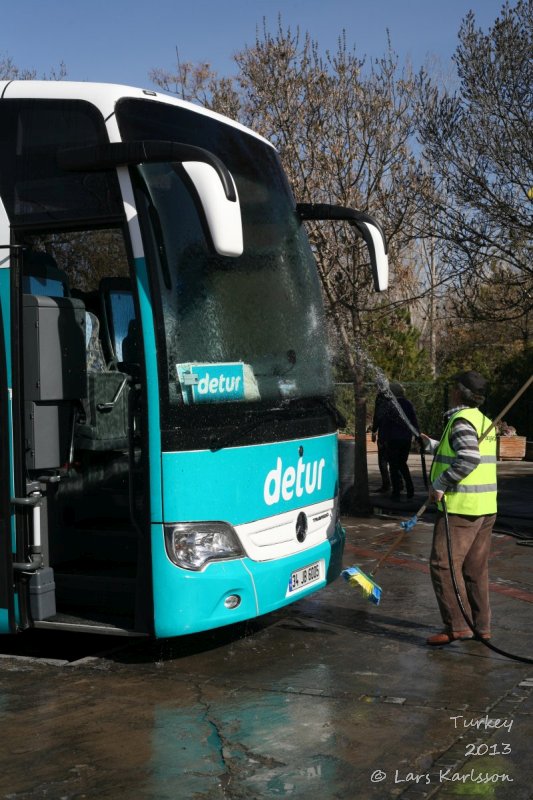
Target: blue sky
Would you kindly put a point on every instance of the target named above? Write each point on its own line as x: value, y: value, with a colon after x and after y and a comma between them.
x: 119, y: 41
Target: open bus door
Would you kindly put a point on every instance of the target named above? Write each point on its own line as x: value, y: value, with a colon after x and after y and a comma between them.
x: 7, y: 595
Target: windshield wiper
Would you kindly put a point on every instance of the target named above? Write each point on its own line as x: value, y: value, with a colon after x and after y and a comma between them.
x: 270, y: 414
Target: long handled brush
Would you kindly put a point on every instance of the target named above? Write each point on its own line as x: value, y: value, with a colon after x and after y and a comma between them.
x: 366, y: 583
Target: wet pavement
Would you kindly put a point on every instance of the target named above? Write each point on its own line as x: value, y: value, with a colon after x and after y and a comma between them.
x: 331, y: 697
x: 515, y: 494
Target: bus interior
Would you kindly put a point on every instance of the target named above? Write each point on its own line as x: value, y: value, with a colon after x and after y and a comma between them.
x: 82, y: 433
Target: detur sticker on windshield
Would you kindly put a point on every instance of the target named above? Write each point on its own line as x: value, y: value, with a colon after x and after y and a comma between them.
x: 216, y: 383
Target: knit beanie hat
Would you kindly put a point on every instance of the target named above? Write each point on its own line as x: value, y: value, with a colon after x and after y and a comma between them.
x: 397, y: 389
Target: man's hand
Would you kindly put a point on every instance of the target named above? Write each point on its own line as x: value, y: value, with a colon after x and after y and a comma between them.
x: 424, y: 440
x: 434, y: 495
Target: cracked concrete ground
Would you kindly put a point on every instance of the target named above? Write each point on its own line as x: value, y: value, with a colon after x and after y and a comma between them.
x: 331, y: 697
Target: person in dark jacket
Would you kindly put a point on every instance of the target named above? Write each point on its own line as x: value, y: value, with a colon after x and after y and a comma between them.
x: 381, y: 409
x: 397, y: 430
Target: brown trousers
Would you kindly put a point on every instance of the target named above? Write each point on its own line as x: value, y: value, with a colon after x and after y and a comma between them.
x: 471, y: 538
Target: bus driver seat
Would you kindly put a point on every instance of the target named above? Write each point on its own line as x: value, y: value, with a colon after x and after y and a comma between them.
x: 105, y: 423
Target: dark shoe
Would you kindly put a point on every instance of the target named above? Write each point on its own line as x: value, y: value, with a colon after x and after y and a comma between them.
x: 447, y: 638
x: 395, y: 497
x: 383, y: 490
x: 410, y: 495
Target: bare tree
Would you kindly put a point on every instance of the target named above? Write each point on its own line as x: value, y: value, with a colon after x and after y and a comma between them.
x: 478, y: 142
x: 9, y: 71
x: 198, y: 83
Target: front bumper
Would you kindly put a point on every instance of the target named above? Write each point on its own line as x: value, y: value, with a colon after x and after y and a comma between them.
x: 188, y: 602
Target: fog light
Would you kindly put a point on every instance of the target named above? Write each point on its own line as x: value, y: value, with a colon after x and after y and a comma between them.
x: 232, y: 601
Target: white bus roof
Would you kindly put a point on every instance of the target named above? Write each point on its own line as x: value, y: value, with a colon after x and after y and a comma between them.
x: 105, y: 97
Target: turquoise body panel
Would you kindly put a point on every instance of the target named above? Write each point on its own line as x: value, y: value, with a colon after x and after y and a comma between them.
x: 4, y: 620
x: 242, y: 484
x: 188, y: 602
x: 152, y: 383
x: 5, y: 279
x: 6, y: 316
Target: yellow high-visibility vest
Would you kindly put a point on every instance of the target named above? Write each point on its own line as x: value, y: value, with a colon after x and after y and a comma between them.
x: 476, y: 494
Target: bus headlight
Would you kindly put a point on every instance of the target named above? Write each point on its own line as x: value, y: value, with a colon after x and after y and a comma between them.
x: 192, y: 544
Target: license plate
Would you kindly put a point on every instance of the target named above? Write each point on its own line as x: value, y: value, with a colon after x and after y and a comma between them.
x: 302, y: 578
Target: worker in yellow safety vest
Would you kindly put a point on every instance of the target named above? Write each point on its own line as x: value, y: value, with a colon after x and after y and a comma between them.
x: 464, y: 473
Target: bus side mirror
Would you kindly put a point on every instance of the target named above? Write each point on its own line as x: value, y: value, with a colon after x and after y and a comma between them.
x: 367, y: 227
x: 212, y: 181
x: 379, y: 259
x: 222, y: 215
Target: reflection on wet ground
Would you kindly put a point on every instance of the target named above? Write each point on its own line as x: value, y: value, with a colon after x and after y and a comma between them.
x: 332, y: 696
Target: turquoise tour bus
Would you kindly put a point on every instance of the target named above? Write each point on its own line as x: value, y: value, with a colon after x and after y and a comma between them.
x: 168, y: 441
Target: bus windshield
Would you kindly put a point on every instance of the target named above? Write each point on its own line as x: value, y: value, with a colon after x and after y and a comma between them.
x: 241, y: 330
